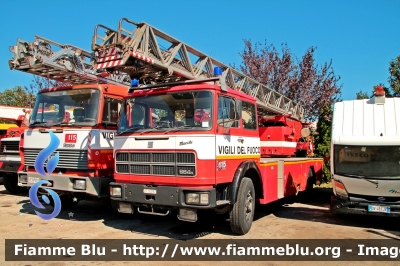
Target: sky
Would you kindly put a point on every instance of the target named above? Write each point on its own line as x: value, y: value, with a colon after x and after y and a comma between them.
x: 359, y: 36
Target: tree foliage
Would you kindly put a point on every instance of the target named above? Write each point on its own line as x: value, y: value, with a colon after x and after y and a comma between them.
x: 362, y: 95
x: 394, y: 79
x: 26, y: 96
x: 322, y: 140
x: 302, y: 80
x: 17, y: 96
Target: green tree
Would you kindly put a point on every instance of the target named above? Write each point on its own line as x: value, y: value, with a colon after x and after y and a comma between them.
x: 17, y: 96
x: 362, y: 95
x: 26, y: 96
x: 394, y: 79
x: 322, y: 140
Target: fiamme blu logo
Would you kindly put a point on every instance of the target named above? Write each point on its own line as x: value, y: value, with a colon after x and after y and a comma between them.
x: 52, y: 161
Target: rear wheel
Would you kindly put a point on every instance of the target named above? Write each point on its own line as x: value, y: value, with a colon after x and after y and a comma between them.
x: 10, y: 181
x: 242, y: 213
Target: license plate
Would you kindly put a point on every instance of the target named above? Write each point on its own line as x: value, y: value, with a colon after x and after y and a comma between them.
x: 33, y: 179
x: 374, y: 208
x: 149, y: 191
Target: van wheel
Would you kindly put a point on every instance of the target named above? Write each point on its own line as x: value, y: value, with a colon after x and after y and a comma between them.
x: 242, y: 213
x: 10, y: 182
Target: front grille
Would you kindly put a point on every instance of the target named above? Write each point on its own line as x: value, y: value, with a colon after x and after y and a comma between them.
x: 140, y: 157
x: 385, y: 199
x: 70, y: 159
x: 123, y: 157
x: 9, y: 147
x: 156, y: 163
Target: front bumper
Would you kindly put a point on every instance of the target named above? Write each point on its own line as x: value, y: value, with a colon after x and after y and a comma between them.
x: 165, y: 197
x: 339, y: 205
x: 95, y: 186
x: 9, y: 163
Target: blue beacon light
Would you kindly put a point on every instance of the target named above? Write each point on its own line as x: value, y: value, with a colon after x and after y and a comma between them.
x: 134, y: 83
x: 217, y: 71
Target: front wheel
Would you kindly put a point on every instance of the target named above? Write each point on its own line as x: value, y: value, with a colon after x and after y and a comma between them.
x: 242, y: 213
x: 10, y: 182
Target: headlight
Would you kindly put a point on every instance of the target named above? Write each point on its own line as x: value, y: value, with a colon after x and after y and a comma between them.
x: 340, y: 189
x: 197, y: 198
x: 204, y: 199
x: 192, y: 198
x: 115, y: 191
x: 79, y: 184
x: 23, y: 178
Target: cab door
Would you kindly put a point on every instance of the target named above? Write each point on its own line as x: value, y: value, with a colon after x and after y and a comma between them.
x: 229, y: 139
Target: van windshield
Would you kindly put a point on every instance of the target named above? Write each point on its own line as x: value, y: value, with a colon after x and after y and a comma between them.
x: 66, y: 107
x: 377, y: 162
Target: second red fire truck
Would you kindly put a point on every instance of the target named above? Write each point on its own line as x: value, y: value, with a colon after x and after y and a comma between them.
x: 252, y: 145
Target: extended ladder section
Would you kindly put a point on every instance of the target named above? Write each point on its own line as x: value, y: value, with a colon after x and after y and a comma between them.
x: 65, y: 63
x: 152, y: 56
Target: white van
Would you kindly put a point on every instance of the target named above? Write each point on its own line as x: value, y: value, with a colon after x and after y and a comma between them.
x: 365, y: 156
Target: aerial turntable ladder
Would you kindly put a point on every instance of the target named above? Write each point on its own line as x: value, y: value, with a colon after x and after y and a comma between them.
x: 152, y: 56
x: 64, y: 63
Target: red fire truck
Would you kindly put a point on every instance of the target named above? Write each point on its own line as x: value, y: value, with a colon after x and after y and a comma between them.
x: 10, y: 161
x: 251, y: 147
x: 82, y: 115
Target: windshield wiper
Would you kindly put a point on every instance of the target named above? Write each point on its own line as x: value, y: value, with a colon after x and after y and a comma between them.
x: 150, y: 129
x: 37, y: 123
x: 128, y: 129
x: 363, y: 177
x: 176, y: 129
x: 63, y: 123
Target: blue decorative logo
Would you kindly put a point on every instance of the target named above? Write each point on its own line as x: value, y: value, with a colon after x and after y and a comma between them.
x: 50, y: 166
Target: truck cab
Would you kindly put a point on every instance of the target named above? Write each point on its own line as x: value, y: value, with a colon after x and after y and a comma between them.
x: 365, y: 156
x: 76, y: 123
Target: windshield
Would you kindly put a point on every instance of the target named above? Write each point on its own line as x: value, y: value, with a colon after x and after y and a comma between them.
x: 367, y: 161
x: 66, y: 107
x: 169, y: 112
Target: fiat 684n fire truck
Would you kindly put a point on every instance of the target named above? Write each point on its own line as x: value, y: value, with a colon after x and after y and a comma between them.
x: 223, y: 140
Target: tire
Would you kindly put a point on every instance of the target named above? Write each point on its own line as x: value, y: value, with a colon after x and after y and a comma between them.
x: 10, y: 182
x: 333, y: 210
x: 242, y: 213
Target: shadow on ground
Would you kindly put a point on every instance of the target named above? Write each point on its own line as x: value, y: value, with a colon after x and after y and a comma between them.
x: 321, y: 199
x: 313, y: 207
